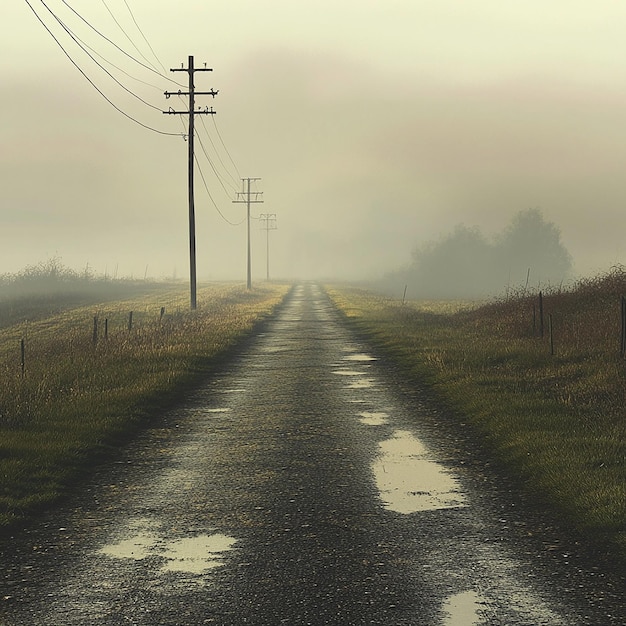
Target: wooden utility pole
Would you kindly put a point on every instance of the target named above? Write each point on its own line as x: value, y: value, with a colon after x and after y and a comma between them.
x: 268, y: 222
x: 249, y: 197
x: 192, y: 93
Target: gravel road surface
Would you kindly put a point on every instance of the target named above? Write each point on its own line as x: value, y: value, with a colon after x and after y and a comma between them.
x: 304, y: 484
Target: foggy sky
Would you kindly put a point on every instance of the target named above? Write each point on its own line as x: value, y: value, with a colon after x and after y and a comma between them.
x: 375, y: 127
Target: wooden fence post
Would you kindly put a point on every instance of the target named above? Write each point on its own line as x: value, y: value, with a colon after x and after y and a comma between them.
x: 23, y: 352
x: 551, y: 331
x: 541, y: 314
x: 622, y: 349
x: 95, y: 330
x: 130, y: 321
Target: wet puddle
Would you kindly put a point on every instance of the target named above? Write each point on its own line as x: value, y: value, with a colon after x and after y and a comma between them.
x: 462, y: 609
x: 138, y: 547
x: 408, y: 481
x: 347, y: 373
x: 372, y: 418
x: 272, y: 349
x: 363, y: 383
x: 194, y: 554
x: 359, y: 383
x: 359, y: 357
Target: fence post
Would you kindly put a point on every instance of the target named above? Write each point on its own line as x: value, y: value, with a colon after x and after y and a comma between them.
x: 106, y: 328
x: 23, y: 351
x: 551, y: 331
x: 95, y: 330
x: 622, y: 347
x: 130, y: 321
x: 541, y: 314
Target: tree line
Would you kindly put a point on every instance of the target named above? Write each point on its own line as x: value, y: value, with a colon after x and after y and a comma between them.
x: 466, y: 264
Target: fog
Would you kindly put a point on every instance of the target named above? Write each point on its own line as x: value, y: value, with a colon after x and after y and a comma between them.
x: 375, y: 128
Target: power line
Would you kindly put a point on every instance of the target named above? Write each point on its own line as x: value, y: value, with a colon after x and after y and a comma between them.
x: 145, y: 38
x: 234, y: 181
x: 224, y: 146
x: 126, y: 35
x: 82, y: 47
x: 213, y: 201
x: 217, y: 174
x: 124, y: 52
x: 105, y: 60
x: 215, y: 171
x: 117, y: 67
x: 118, y: 109
x: 221, y: 182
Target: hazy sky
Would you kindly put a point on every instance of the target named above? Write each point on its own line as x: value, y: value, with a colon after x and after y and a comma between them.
x: 375, y: 126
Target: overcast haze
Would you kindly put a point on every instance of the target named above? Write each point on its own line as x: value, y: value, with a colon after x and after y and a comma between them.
x: 375, y: 127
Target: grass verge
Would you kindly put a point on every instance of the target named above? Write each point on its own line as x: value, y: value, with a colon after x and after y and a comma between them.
x: 91, y: 378
x: 555, y: 420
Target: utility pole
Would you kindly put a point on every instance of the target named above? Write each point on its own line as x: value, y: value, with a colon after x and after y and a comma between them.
x: 192, y: 93
x: 249, y: 197
x: 268, y: 222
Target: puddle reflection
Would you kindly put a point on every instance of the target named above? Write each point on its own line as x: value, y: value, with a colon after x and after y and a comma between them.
x: 409, y: 482
x: 462, y: 609
x: 193, y: 555
x: 347, y: 373
x: 138, y: 547
x: 371, y: 418
x: 196, y: 554
x: 364, y: 383
x: 359, y: 357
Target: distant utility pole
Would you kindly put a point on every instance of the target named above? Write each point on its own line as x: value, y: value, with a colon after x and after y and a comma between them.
x: 192, y: 93
x: 249, y: 197
x: 268, y: 222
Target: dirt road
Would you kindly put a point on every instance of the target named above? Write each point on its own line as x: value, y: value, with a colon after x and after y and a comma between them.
x: 300, y: 486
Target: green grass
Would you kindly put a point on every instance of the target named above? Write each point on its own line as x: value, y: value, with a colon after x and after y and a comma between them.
x: 558, y: 421
x: 77, y: 399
